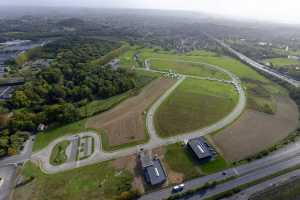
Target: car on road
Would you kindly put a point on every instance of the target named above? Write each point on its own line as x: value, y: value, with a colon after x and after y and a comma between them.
x: 178, y: 188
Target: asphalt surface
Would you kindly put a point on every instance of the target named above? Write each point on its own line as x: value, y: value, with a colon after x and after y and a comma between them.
x: 8, y: 173
x: 257, y: 65
x: 20, y: 158
x: 284, y: 158
x: 247, y: 193
x: 8, y: 168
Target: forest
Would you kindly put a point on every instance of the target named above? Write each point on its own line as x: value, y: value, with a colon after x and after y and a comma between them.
x: 54, y: 95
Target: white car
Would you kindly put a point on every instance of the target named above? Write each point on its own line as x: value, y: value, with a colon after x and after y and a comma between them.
x: 178, y: 188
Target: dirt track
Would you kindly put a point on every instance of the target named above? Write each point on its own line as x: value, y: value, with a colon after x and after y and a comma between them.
x: 255, y: 131
x: 125, y: 122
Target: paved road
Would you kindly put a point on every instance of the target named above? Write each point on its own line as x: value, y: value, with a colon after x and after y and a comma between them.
x: 20, y: 158
x: 8, y: 168
x: 8, y: 173
x: 246, y: 194
x: 257, y: 65
x: 284, y: 158
x: 154, y: 140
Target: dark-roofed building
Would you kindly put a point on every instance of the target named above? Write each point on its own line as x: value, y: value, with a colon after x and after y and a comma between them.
x: 152, y: 168
x: 200, y: 149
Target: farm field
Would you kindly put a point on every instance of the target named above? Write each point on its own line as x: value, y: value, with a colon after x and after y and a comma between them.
x: 99, y: 181
x: 125, y: 123
x: 193, y: 105
x: 187, y: 68
x: 255, y: 131
x: 282, y: 62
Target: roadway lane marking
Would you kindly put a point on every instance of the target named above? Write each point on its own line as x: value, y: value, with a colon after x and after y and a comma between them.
x: 236, y: 171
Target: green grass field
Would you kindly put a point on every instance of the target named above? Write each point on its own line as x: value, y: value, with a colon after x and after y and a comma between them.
x: 225, y: 62
x: 187, y: 68
x: 193, y: 105
x: 43, y: 139
x: 58, y: 154
x: 282, y: 62
x: 189, y: 165
x: 98, y: 181
x: 248, y: 76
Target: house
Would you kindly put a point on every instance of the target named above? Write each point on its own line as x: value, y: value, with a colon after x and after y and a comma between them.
x: 152, y: 168
x: 199, y: 147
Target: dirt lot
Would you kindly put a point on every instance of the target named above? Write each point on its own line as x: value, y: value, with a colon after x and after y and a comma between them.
x: 255, y: 131
x: 125, y: 122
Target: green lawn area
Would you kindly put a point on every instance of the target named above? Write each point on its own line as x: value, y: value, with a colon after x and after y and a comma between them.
x: 98, y: 181
x: 193, y: 105
x: 188, y: 68
x: 98, y: 106
x: 281, y: 62
x: 43, y: 139
x: 248, y: 76
x: 58, y: 154
x: 126, y: 59
x: 189, y: 166
x: 231, y: 64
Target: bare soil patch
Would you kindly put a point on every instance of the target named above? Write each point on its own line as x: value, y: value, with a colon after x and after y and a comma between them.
x: 125, y: 123
x: 256, y: 131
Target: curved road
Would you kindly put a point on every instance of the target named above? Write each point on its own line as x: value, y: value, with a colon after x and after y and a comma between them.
x: 42, y: 157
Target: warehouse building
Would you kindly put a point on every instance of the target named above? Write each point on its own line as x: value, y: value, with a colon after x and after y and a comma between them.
x: 200, y: 148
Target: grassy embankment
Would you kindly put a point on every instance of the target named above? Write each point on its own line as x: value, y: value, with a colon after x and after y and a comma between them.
x: 282, y: 62
x: 193, y: 105
x: 290, y: 190
x: 98, y: 181
x: 188, y: 68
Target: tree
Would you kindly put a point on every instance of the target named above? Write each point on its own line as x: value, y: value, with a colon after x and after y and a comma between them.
x: 51, y: 75
x: 19, y: 100
x: 11, y: 151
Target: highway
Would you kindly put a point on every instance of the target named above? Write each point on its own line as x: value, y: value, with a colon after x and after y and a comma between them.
x: 277, y: 161
x: 257, y: 65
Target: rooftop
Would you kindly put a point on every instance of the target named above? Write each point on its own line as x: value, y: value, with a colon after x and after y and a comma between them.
x: 200, y: 148
x: 155, y: 173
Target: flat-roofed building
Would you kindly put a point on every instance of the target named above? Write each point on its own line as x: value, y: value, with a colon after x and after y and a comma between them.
x: 200, y: 149
x: 153, y: 170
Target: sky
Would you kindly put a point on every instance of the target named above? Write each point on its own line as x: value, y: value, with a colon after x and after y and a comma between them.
x: 286, y: 11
